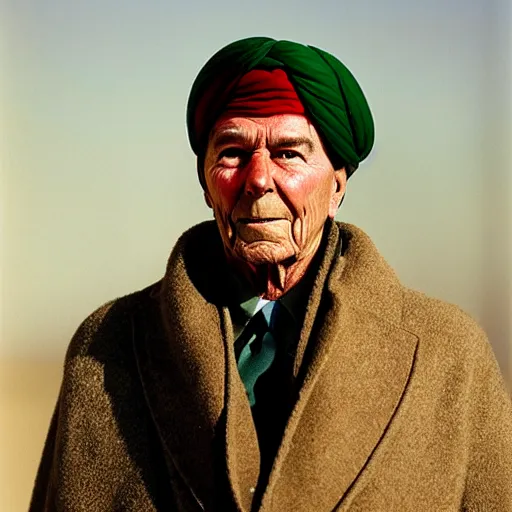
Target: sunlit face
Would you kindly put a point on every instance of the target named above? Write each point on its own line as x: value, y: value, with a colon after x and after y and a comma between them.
x: 271, y: 186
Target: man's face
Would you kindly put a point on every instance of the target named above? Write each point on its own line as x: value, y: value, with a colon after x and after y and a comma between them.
x: 271, y: 186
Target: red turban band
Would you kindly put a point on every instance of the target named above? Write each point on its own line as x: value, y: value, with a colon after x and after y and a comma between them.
x: 259, y: 93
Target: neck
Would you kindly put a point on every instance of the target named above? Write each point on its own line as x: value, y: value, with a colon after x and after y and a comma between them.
x: 271, y: 281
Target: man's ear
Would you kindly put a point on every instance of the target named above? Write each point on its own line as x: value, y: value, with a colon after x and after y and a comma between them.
x: 208, y: 199
x: 200, y: 172
x: 338, y: 190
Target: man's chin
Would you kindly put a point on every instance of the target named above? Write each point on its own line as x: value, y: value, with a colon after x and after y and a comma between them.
x: 262, y: 252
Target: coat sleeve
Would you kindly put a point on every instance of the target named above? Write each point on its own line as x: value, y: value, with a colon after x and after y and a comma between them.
x: 97, y: 455
x: 42, y: 499
x: 489, y: 475
x: 64, y: 453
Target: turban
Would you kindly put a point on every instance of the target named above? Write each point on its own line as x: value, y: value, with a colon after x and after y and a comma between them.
x: 331, y: 96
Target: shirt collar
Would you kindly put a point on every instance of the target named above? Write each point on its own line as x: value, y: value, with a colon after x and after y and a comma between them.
x: 294, y: 300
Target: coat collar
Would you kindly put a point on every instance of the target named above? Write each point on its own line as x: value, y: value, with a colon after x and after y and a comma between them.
x: 356, y: 367
x: 353, y: 361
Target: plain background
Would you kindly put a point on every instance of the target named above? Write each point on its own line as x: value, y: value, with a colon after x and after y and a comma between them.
x: 98, y: 180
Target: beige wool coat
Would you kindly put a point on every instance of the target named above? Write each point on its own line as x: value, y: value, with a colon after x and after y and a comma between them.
x: 400, y: 405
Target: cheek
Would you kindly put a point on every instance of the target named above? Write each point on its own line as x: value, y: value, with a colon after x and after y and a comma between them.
x: 308, y: 191
x: 223, y: 187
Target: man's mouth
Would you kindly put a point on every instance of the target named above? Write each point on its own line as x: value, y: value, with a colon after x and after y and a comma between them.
x: 258, y: 220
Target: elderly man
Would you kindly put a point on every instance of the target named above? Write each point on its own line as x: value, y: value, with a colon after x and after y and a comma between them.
x: 279, y: 365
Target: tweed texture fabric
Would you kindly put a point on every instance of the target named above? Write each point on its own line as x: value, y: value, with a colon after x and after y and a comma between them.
x: 399, y: 403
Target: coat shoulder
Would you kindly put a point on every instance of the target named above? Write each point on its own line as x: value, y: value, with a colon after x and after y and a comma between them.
x: 109, y: 327
x: 442, y: 323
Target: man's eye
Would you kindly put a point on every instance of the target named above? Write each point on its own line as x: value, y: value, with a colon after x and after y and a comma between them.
x: 232, y: 154
x: 288, y: 154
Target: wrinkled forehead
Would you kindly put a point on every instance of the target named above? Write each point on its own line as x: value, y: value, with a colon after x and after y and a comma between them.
x: 273, y: 129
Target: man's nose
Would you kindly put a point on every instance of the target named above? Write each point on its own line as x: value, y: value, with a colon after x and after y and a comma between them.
x: 259, y: 179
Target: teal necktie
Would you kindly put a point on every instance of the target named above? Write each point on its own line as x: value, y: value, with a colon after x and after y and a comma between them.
x: 259, y: 351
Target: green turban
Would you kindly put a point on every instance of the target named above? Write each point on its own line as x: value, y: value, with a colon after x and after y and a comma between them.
x: 329, y: 92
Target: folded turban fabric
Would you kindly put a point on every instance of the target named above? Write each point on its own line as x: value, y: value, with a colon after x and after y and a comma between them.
x: 259, y: 93
x: 331, y: 96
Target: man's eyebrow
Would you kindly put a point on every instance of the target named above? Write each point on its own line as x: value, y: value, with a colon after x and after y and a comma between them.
x: 231, y: 135
x: 228, y: 136
x: 293, y: 142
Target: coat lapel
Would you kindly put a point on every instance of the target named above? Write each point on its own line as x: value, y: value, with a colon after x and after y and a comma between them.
x: 184, y: 349
x: 356, y: 366
x: 242, y: 451
x: 353, y: 365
